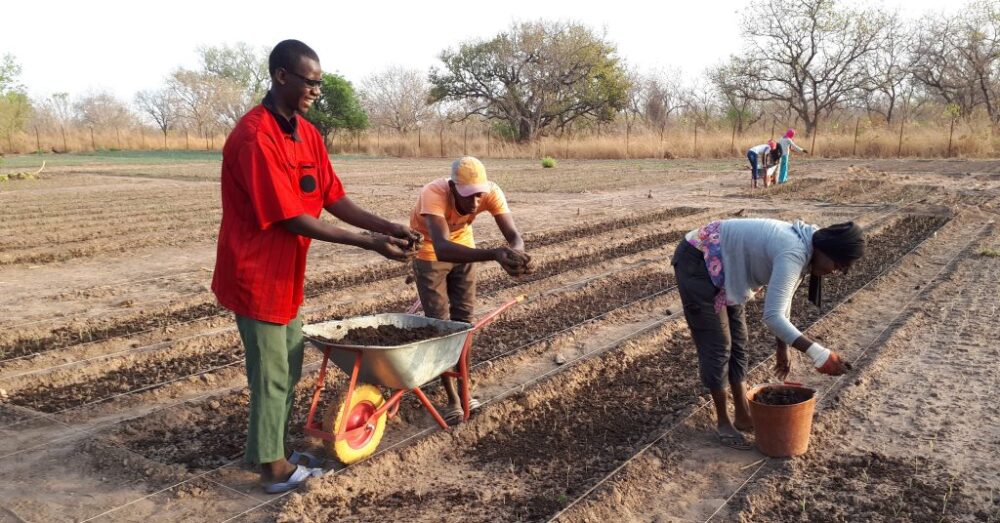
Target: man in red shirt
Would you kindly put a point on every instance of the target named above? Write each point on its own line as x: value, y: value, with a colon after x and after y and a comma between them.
x: 276, y: 180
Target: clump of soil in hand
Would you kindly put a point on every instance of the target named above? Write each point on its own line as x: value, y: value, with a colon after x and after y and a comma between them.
x: 387, y: 335
x: 782, y: 396
x: 414, y: 245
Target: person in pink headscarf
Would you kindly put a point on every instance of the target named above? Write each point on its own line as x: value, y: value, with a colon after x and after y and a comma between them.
x: 787, y: 145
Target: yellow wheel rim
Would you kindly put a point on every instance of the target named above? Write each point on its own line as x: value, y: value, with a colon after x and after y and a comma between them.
x: 364, y: 402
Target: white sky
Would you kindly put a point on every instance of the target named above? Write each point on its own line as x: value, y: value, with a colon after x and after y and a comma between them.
x: 77, y: 46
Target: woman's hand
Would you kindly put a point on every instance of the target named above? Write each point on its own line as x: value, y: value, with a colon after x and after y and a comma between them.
x: 782, y: 363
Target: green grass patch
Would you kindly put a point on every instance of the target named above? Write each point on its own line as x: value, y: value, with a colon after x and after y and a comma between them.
x: 27, y: 161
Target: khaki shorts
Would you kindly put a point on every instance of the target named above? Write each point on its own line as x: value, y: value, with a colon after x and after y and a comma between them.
x: 447, y: 290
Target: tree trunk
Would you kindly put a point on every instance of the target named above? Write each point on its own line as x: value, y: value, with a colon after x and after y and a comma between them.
x: 524, y: 131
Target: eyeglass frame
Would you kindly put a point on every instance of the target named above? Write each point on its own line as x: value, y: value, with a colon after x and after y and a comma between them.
x: 310, y: 83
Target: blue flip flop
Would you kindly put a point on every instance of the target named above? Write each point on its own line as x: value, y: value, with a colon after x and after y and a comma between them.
x: 298, y: 477
x: 305, y: 459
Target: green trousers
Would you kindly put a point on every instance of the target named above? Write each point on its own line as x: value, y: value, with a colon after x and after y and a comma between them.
x: 274, y: 366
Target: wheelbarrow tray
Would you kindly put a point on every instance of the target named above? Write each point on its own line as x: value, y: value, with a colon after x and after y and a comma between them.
x: 397, y: 367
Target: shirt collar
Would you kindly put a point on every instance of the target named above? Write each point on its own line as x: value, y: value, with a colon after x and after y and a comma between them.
x: 288, y: 126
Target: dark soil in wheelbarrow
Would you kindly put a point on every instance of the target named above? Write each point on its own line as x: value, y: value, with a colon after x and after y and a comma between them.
x: 388, y: 335
x: 782, y: 396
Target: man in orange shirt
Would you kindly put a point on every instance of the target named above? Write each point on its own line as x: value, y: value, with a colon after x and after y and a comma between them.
x: 443, y: 269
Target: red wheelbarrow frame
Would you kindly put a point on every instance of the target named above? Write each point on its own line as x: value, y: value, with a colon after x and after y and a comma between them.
x: 391, y: 405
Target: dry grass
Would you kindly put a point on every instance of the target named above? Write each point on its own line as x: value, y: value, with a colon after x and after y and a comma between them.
x: 919, y: 141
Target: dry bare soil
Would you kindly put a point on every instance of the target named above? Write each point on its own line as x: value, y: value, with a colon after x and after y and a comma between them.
x: 123, y: 397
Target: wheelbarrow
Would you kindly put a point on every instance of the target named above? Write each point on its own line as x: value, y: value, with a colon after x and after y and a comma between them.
x: 353, y: 426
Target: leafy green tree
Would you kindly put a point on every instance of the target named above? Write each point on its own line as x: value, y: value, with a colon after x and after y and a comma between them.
x: 535, y: 77
x: 15, y: 108
x: 241, y: 63
x: 337, y: 108
x: 10, y: 70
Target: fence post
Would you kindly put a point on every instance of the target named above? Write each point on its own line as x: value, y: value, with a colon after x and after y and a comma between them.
x: 489, y: 142
x: 118, y: 137
x: 628, y: 133
x: 65, y: 147
x: 695, y: 140
x: 93, y: 143
x: 732, y: 143
x: 899, y: 148
x: 857, y: 126
x: 38, y: 142
x: 812, y: 148
x: 418, y: 142
x: 441, y: 140
x: 951, y: 133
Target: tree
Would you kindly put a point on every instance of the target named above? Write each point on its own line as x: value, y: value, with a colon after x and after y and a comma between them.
x: 737, y: 90
x: 809, y: 54
x: 699, y: 103
x: 197, y: 96
x: 337, y: 108
x: 15, y: 108
x: 661, y: 98
x: 887, y: 74
x: 957, y: 59
x: 10, y: 71
x: 161, y: 106
x: 102, y: 111
x: 241, y: 63
x: 396, y: 98
x: 534, y: 77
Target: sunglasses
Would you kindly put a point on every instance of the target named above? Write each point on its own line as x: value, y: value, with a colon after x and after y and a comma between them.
x: 310, y: 83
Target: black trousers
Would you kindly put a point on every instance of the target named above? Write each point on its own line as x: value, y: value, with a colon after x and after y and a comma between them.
x: 721, y: 337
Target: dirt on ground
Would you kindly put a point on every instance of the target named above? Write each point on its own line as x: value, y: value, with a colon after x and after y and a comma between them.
x: 123, y: 395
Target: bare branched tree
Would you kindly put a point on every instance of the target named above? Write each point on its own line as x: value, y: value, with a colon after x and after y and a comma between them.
x: 161, y: 106
x: 957, y: 58
x: 396, y: 98
x: 736, y: 89
x: 809, y: 54
x: 888, y: 81
x: 102, y: 110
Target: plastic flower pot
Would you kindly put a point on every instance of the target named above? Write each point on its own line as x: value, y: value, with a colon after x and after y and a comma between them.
x: 782, y: 430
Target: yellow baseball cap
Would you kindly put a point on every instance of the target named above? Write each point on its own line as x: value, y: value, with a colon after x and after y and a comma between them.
x: 469, y: 176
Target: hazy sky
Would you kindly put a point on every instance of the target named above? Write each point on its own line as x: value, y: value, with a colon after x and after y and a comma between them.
x: 76, y: 46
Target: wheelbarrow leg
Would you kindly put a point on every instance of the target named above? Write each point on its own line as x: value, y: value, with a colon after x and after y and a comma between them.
x: 320, y: 385
x: 350, y: 390
x: 430, y: 408
x: 463, y: 370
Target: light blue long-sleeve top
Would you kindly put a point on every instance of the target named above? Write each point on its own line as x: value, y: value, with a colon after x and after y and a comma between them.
x: 758, y: 252
x: 788, y: 145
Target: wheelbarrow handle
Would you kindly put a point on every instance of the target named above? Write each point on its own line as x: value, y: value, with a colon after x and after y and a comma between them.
x: 493, y: 314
